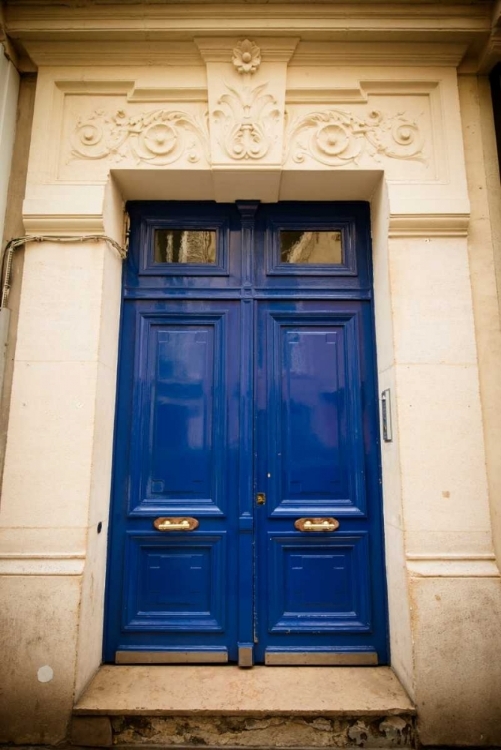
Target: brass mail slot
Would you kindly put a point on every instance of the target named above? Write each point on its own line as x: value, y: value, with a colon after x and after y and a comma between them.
x: 316, y: 524
x: 175, y: 524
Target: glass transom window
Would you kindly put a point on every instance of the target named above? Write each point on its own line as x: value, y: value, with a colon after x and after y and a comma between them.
x: 311, y: 248
x: 185, y: 246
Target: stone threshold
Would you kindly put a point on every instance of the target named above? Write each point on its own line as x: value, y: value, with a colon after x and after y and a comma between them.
x: 230, y: 691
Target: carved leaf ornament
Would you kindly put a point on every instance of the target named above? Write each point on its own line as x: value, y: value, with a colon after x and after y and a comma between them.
x: 247, y: 121
x: 160, y: 137
x: 335, y: 137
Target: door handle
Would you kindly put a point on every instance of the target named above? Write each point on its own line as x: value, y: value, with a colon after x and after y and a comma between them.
x: 316, y: 524
x: 175, y: 524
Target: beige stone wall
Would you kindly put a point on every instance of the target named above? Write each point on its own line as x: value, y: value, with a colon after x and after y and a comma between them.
x: 14, y: 227
x: 389, y: 134
x: 485, y: 264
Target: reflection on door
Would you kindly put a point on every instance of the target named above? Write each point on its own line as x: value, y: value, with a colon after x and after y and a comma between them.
x: 246, y: 514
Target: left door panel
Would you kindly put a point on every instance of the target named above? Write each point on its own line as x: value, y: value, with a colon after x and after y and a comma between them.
x: 176, y: 457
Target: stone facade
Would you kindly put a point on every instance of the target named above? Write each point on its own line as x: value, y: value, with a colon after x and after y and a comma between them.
x: 264, y: 102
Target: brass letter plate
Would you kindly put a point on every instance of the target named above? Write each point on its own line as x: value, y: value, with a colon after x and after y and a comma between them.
x: 316, y: 524
x: 175, y: 524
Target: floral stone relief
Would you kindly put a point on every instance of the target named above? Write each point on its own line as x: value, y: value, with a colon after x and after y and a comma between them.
x: 247, y: 122
x: 336, y: 137
x: 159, y: 138
x: 246, y: 118
x: 246, y: 57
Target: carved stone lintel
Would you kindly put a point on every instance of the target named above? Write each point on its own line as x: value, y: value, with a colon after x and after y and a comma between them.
x: 247, y: 121
x: 159, y: 138
x: 335, y: 137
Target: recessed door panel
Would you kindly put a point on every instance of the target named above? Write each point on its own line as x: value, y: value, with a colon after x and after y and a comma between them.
x: 312, y: 409
x: 180, y: 583
x: 318, y: 585
x: 180, y: 438
x: 182, y: 414
x: 311, y: 415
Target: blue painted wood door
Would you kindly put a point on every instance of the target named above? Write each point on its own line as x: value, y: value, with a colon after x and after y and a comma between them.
x: 247, y: 408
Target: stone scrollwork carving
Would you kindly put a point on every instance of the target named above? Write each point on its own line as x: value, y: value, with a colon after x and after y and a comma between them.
x: 246, y: 57
x: 159, y: 138
x: 336, y: 137
x: 247, y: 121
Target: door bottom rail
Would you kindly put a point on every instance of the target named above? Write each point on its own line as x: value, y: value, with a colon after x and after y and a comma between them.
x: 172, y: 657
x: 272, y: 657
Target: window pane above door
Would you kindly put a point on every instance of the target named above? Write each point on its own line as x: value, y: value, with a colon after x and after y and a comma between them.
x: 185, y: 246
x: 311, y: 248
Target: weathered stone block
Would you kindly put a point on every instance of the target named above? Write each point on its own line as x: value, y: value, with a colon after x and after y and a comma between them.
x: 91, y: 731
x: 265, y: 731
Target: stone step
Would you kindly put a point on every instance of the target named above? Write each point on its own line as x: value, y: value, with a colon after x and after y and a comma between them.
x: 223, y: 706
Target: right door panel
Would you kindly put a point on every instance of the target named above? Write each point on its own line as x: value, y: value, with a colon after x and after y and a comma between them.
x: 320, y: 587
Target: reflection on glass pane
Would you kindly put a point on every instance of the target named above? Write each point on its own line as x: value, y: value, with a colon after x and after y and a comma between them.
x: 323, y: 248
x: 185, y: 246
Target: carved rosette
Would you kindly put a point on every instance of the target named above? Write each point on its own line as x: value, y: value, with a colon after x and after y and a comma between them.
x: 159, y: 138
x: 247, y: 122
x: 246, y: 57
x: 336, y: 137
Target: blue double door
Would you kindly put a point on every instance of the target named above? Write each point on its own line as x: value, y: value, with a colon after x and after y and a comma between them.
x: 246, y: 513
